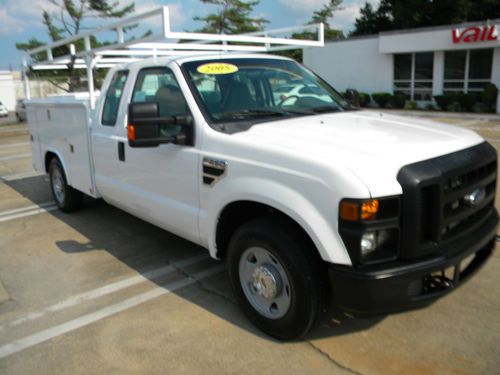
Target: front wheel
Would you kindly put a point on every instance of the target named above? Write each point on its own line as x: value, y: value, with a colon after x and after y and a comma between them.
x: 67, y: 198
x: 274, y: 277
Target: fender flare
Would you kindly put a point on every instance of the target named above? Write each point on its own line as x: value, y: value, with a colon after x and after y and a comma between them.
x: 302, y: 211
x: 63, y: 163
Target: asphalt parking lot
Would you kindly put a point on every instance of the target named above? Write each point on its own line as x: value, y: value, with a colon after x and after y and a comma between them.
x: 11, y: 118
x: 100, y: 291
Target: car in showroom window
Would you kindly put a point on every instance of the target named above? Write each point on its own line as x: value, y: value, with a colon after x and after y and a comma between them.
x: 238, y: 93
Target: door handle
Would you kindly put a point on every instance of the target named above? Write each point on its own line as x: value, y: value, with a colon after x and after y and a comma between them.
x: 121, y: 151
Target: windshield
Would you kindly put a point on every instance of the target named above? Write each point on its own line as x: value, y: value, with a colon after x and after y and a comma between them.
x: 233, y: 91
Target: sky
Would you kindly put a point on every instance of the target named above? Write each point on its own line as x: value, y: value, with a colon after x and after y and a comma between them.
x: 20, y: 20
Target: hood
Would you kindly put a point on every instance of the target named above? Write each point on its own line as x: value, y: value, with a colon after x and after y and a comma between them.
x: 373, y: 145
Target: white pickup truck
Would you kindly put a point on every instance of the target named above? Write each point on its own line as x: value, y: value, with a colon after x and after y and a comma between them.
x: 308, y: 199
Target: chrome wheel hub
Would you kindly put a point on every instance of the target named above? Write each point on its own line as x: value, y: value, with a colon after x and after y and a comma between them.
x: 265, y: 282
x: 58, y: 185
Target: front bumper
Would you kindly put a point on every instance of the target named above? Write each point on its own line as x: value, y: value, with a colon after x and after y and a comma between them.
x: 386, y: 288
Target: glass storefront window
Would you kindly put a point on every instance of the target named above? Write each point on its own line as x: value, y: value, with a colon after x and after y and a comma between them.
x: 402, y: 66
x: 467, y: 71
x: 480, y: 64
x: 413, y: 73
x: 424, y: 64
x: 454, y: 64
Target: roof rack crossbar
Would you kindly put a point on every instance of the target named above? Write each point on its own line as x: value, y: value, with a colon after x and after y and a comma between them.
x: 259, y: 41
x: 162, y: 43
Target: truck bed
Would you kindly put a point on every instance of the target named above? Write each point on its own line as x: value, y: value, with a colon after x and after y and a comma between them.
x: 60, y: 125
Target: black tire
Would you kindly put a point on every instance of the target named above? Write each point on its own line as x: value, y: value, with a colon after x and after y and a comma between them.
x: 71, y: 199
x: 291, y: 250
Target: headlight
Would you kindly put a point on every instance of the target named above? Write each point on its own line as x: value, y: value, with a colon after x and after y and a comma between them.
x: 368, y: 243
x: 370, y: 229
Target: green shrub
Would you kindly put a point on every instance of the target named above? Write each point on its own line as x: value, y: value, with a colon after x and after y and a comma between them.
x: 479, y: 107
x: 489, y: 96
x: 467, y: 101
x: 454, y: 107
x: 411, y: 105
x: 382, y: 98
x: 398, y: 100
x: 444, y: 101
x: 364, y: 99
x: 430, y: 107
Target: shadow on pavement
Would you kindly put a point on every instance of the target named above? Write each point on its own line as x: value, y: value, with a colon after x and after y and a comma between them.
x: 142, y: 247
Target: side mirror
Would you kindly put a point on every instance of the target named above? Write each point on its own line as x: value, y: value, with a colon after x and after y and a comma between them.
x: 352, y: 97
x: 144, y: 126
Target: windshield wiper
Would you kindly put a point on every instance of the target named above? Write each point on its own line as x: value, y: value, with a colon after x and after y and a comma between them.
x: 326, y: 108
x: 254, y: 112
x: 299, y: 111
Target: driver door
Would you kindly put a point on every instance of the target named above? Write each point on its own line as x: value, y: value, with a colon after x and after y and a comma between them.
x: 161, y: 183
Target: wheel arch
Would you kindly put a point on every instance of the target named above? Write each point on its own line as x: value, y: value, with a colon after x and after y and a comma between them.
x: 49, y: 155
x: 302, y: 216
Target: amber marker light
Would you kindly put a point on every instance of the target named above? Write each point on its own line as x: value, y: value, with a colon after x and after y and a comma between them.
x: 369, y: 209
x: 349, y: 211
x: 131, y: 132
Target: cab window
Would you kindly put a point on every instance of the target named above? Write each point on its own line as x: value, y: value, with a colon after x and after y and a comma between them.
x: 158, y: 85
x: 113, y: 96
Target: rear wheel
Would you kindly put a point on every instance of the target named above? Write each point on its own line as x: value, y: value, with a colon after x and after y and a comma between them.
x: 67, y: 198
x: 274, y: 277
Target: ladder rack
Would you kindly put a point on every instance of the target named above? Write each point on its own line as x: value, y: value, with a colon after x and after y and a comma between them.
x: 163, y: 43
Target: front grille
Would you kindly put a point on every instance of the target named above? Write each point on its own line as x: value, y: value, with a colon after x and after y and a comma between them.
x: 438, y: 205
x: 458, y: 216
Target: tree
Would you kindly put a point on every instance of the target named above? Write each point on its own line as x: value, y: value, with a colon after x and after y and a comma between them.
x: 68, y: 21
x: 372, y: 21
x: 404, y: 14
x: 324, y: 15
x: 233, y: 17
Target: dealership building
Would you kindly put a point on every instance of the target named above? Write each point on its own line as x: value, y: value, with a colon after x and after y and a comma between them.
x: 419, y: 63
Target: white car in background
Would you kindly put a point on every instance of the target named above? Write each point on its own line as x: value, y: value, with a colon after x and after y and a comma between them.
x: 289, y: 93
x: 3, y: 110
x: 21, y: 110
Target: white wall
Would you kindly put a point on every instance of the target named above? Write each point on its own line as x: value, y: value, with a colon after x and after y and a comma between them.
x: 495, y: 74
x: 356, y: 63
x: 438, y: 73
x: 7, y: 91
x: 39, y: 88
x: 427, y: 40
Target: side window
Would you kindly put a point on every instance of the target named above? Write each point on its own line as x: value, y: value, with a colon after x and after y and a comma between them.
x: 159, y: 85
x: 113, y: 96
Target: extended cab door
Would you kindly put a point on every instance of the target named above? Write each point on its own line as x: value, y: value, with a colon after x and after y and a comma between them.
x: 159, y: 184
x: 105, y: 135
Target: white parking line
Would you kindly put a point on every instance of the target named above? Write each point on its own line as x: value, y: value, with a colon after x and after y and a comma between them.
x: 13, y: 157
x: 19, y: 176
x: 27, y: 208
x: 107, y: 289
x: 50, y: 333
x: 27, y: 211
x: 9, y: 145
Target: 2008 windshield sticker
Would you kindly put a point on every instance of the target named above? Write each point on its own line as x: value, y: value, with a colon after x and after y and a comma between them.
x: 217, y: 68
